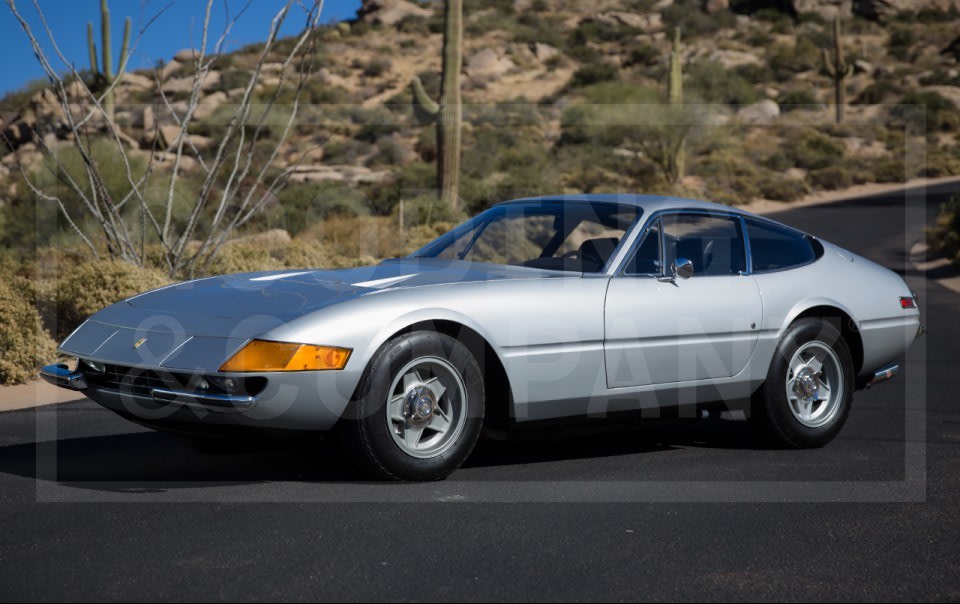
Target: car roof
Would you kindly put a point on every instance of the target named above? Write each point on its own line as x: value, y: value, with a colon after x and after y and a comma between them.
x: 649, y: 203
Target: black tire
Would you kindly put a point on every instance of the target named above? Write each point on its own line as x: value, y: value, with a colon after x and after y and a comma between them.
x: 366, y: 433
x: 771, y: 415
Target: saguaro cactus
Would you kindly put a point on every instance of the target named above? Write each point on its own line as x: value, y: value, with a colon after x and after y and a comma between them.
x: 675, y: 97
x: 446, y: 113
x: 838, y: 69
x: 675, y: 86
x: 104, y: 75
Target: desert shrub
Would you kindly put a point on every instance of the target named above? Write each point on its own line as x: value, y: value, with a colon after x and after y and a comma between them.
x: 796, y: 99
x: 377, y: 67
x: 889, y: 169
x: 231, y: 79
x: 879, y: 91
x: 786, y: 60
x: 940, y: 162
x: 778, y: 188
x: 944, y: 236
x: 713, y: 83
x: 91, y: 286
x: 926, y: 109
x: 642, y: 54
x: 24, y: 345
x: 815, y: 151
x: 754, y: 73
x: 729, y: 177
x: 593, y: 73
x: 830, y: 178
x: 902, y: 39
x: 693, y: 21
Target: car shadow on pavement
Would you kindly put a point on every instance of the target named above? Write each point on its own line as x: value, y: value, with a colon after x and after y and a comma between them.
x: 156, y: 462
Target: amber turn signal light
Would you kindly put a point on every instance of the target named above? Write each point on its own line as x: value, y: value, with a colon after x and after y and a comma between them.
x: 262, y: 355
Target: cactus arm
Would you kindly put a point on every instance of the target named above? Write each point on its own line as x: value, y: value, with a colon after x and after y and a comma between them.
x: 124, y: 48
x: 105, y: 41
x: 92, y: 49
x: 422, y: 99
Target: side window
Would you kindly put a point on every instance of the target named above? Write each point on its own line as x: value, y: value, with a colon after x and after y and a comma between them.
x: 713, y: 243
x: 774, y: 248
x: 646, y: 258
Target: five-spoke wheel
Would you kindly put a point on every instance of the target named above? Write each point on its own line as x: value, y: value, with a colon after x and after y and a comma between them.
x: 419, y: 408
x: 809, y: 388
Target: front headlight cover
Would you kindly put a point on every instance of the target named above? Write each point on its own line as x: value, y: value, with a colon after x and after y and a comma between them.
x: 264, y: 355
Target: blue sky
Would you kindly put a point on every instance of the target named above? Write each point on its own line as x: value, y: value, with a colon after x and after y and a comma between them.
x: 179, y: 26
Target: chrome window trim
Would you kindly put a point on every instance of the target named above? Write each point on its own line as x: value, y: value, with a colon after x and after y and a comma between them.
x: 735, y: 217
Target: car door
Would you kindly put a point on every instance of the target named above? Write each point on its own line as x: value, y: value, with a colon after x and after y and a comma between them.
x: 705, y: 327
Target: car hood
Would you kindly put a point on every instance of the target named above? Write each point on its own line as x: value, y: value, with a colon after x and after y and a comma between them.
x: 196, y: 325
x: 289, y: 294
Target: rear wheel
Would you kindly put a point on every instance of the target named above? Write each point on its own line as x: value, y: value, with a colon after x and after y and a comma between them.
x: 419, y: 409
x: 807, y: 395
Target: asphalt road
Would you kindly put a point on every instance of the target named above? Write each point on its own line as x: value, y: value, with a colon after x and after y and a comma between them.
x: 92, y: 507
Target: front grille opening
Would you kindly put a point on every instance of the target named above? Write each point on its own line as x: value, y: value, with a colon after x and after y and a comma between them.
x: 137, y: 380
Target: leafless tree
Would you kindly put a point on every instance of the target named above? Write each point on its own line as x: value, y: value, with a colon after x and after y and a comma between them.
x: 235, y: 181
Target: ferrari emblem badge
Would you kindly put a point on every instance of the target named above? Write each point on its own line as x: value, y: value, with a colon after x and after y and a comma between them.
x: 139, y: 342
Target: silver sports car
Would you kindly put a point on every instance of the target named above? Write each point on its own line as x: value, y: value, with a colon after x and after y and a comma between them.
x: 536, y: 309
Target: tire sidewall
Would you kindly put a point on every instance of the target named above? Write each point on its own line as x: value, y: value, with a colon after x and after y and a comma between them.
x: 375, y: 434
x: 777, y: 407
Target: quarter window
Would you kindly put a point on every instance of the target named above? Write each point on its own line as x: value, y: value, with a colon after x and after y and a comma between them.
x: 774, y: 248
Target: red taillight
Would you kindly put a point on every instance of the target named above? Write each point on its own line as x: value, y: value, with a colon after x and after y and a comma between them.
x: 907, y: 302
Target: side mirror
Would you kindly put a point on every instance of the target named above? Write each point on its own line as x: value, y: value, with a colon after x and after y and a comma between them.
x: 681, y: 268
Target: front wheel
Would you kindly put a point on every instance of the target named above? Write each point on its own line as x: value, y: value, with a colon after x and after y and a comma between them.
x: 806, y: 397
x: 419, y: 409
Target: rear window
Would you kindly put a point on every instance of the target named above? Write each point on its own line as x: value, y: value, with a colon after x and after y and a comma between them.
x: 775, y: 248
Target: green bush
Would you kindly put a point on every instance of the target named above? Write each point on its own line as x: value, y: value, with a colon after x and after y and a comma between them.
x: 692, y: 21
x: 878, y: 92
x: 796, y: 99
x: 24, y: 345
x: 786, y: 60
x: 91, y: 286
x: 944, y: 237
x: 713, y: 83
x: 815, y: 151
x: 926, y: 109
x: 779, y: 188
x: 831, y: 178
x: 593, y: 73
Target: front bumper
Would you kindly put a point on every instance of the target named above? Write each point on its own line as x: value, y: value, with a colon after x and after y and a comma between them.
x: 60, y: 375
x: 291, y: 401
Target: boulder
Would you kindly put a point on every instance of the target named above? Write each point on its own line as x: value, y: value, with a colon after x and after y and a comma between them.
x: 209, y: 104
x: 734, y: 58
x: 543, y: 52
x: 348, y: 174
x: 187, y: 55
x: 763, y: 112
x: 487, y: 63
x: 713, y: 6
x: 137, y: 81
x: 390, y: 12
x: 647, y: 23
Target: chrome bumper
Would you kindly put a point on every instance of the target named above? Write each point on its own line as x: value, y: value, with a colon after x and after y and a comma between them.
x: 60, y: 375
x: 883, y: 374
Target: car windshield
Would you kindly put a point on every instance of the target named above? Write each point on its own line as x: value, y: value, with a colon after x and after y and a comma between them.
x: 550, y: 235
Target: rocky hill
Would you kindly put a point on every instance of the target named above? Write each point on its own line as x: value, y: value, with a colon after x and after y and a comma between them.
x: 549, y: 87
